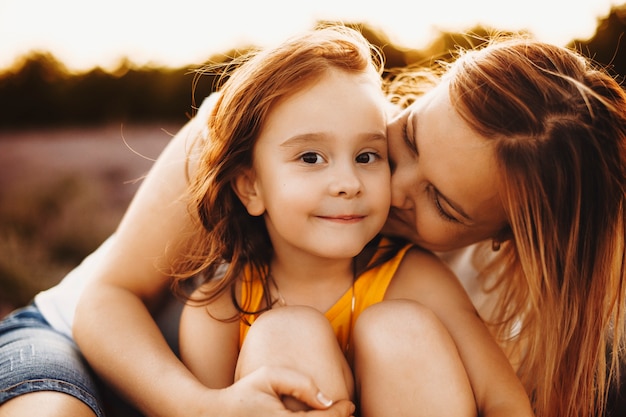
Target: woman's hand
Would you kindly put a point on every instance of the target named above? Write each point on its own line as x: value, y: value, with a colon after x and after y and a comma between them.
x: 259, y: 394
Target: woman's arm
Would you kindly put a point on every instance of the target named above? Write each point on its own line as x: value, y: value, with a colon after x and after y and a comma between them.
x: 117, y: 334
x: 113, y: 326
x: 497, y: 389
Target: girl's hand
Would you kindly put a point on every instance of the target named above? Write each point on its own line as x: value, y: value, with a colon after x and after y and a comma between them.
x: 259, y: 394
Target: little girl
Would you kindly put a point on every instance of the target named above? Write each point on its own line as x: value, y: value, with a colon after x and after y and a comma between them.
x: 291, y: 191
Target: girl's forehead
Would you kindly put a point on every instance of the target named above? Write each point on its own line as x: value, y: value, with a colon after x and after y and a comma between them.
x: 340, y: 104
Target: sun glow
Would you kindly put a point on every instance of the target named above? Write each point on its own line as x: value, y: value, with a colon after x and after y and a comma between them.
x: 83, y: 34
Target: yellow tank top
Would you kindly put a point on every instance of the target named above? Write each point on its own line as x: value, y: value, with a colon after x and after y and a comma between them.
x: 369, y: 288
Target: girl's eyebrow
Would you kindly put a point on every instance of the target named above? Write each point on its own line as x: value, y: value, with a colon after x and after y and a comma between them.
x: 308, y: 138
x: 303, y: 139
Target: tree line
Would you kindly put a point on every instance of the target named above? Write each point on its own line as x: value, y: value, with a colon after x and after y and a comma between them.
x: 41, y: 92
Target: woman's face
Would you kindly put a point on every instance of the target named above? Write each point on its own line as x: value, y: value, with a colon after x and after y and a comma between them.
x: 444, y: 183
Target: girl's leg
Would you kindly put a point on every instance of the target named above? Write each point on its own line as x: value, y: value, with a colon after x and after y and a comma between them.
x: 407, y: 364
x: 299, y: 338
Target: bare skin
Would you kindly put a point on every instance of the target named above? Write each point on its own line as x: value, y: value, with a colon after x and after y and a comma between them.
x: 430, y: 380
x: 46, y: 404
x: 131, y: 282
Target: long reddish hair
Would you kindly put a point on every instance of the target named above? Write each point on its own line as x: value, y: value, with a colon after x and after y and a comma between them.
x: 227, y: 236
x: 557, y: 125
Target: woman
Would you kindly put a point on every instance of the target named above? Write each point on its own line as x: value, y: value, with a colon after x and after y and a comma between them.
x: 558, y: 227
x: 293, y: 192
x: 524, y: 144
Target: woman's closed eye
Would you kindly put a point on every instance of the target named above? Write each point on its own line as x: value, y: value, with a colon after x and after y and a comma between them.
x: 443, y: 213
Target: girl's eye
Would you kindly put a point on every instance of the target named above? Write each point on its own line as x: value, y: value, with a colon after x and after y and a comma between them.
x: 311, y: 158
x: 367, y: 157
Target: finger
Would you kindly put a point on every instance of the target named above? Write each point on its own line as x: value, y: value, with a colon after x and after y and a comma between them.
x: 341, y: 408
x: 298, y: 385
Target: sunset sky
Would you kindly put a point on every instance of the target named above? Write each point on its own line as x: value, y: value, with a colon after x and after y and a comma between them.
x: 86, y: 33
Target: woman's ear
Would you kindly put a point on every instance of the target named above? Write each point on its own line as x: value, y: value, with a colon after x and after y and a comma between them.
x: 246, y: 189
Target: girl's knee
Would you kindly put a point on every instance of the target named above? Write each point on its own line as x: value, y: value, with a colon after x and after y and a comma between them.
x: 397, y: 324
x: 294, y: 321
x: 300, y: 338
x: 291, y: 330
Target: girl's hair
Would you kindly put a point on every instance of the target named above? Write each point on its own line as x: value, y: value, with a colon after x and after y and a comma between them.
x: 228, y: 236
x: 557, y: 126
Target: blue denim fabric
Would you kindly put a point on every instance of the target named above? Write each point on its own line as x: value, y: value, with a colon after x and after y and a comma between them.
x: 34, y: 357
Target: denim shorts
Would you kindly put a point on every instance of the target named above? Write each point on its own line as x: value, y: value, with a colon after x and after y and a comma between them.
x: 34, y: 357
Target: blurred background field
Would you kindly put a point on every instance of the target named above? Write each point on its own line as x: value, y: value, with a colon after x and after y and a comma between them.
x: 74, y: 145
x: 62, y: 192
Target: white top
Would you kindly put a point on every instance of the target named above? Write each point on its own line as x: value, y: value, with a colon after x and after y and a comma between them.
x: 58, y: 303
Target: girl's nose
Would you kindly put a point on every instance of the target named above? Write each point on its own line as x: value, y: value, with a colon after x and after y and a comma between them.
x: 346, y: 183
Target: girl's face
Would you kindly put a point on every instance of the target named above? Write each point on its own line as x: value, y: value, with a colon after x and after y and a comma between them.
x: 321, y: 174
x: 444, y: 182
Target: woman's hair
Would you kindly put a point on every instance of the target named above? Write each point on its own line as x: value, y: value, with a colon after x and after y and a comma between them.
x: 228, y: 236
x: 557, y: 125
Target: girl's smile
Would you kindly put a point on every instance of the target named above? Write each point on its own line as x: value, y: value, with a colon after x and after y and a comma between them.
x: 322, y: 156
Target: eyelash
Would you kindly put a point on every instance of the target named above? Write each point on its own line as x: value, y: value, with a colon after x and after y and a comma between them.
x: 438, y: 206
x: 440, y: 209
x: 375, y: 156
x: 308, y: 154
